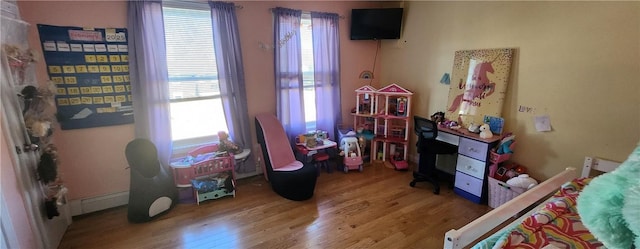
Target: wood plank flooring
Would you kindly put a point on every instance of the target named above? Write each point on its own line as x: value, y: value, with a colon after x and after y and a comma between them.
x: 372, y: 209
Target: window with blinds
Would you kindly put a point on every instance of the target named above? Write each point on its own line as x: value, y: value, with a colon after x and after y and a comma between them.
x: 196, y: 107
x: 306, y: 47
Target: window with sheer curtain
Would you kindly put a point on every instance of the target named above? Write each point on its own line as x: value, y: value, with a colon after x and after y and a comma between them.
x: 307, y: 70
x: 196, y: 106
x: 306, y: 47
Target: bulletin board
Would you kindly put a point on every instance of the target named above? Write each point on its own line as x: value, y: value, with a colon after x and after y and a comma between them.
x: 90, y: 67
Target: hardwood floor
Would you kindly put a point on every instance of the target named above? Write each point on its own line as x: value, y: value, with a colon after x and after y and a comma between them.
x: 373, y: 209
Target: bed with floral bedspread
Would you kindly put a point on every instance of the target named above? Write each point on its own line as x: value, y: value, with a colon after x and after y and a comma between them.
x: 599, y: 212
x: 556, y: 225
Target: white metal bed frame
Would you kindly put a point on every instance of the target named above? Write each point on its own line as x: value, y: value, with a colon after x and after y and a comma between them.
x: 469, y: 233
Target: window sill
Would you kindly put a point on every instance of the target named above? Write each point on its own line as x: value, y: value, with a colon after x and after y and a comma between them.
x: 181, y: 147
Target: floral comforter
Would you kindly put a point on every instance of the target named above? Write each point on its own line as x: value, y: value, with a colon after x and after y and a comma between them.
x: 557, y: 225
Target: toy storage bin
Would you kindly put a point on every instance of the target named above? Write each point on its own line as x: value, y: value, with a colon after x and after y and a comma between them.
x: 501, y: 192
x: 185, y: 195
x: 496, y: 158
x: 182, y: 173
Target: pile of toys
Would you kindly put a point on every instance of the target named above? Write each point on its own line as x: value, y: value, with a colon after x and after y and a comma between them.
x: 512, y: 173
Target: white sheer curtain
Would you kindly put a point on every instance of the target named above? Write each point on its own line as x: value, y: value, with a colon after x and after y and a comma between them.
x: 288, y: 71
x: 226, y: 40
x: 326, y: 62
x: 149, y: 76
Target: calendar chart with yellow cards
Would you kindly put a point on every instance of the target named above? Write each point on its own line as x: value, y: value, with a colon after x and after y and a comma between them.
x: 90, y: 67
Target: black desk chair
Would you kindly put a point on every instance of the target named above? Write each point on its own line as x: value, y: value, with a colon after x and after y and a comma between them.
x: 429, y: 148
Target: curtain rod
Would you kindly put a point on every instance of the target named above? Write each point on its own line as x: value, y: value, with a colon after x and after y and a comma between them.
x: 307, y: 11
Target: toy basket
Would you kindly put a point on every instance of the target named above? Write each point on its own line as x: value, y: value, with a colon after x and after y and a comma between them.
x: 501, y: 192
x: 496, y: 158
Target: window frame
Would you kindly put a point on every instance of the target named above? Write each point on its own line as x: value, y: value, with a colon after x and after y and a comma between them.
x: 308, y: 82
x: 182, y: 146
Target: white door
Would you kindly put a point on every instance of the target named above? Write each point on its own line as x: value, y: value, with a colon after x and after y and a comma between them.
x: 47, y: 232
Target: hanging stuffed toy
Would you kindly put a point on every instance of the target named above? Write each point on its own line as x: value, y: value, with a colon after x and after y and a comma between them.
x: 39, y: 111
x: 40, y: 100
x: 19, y: 59
x: 38, y: 129
x: 52, y: 208
x: 47, y: 167
x: 28, y: 93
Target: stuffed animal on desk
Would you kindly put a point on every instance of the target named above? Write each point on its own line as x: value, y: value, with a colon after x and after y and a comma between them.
x: 438, y: 117
x: 226, y: 144
x: 474, y: 128
x: 485, y: 131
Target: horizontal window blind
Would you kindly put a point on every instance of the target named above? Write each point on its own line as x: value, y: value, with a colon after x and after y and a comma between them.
x: 190, y: 53
x: 196, y: 107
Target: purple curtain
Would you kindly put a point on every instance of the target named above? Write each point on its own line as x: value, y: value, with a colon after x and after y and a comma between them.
x: 149, y: 76
x: 326, y: 61
x: 288, y: 71
x: 226, y: 40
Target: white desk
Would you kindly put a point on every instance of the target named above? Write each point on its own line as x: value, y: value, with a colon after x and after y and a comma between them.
x: 472, y: 164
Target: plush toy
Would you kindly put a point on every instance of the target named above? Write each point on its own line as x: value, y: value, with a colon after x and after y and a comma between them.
x: 51, y: 208
x: 451, y: 124
x: 505, y: 143
x: 485, y: 131
x: 473, y: 128
x: 39, y: 101
x: 631, y: 211
x: 522, y: 181
x: 348, y: 147
x: 438, y: 117
x: 38, y: 130
x: 226, y: 144
x: 47, y: 168
x: 602, y: 203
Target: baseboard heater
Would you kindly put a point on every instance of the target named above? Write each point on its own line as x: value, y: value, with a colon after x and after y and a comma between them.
x: 94, y: 204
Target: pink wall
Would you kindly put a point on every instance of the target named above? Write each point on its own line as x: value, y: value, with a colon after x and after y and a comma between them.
x: 92, y: 160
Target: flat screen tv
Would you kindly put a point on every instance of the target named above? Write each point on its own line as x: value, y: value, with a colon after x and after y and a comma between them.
x: 376, y: 24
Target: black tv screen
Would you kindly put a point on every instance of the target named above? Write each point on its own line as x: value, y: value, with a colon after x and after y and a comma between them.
x: 376, y: 24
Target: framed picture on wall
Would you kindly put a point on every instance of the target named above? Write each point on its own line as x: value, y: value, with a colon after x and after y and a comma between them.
x: 478, y: 84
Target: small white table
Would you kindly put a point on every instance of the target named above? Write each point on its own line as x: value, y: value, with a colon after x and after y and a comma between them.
x: 326, y: 143
x: 241, y: 157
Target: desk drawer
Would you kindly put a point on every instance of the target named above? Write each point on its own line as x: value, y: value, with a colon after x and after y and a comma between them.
x: 448, y: 138
x: 468, y: 183
x: 471, y: 166
x: 473, y: 148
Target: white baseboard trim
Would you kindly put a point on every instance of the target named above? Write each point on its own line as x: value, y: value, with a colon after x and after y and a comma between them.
x: 248, y: 174
x: 93, y: 204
